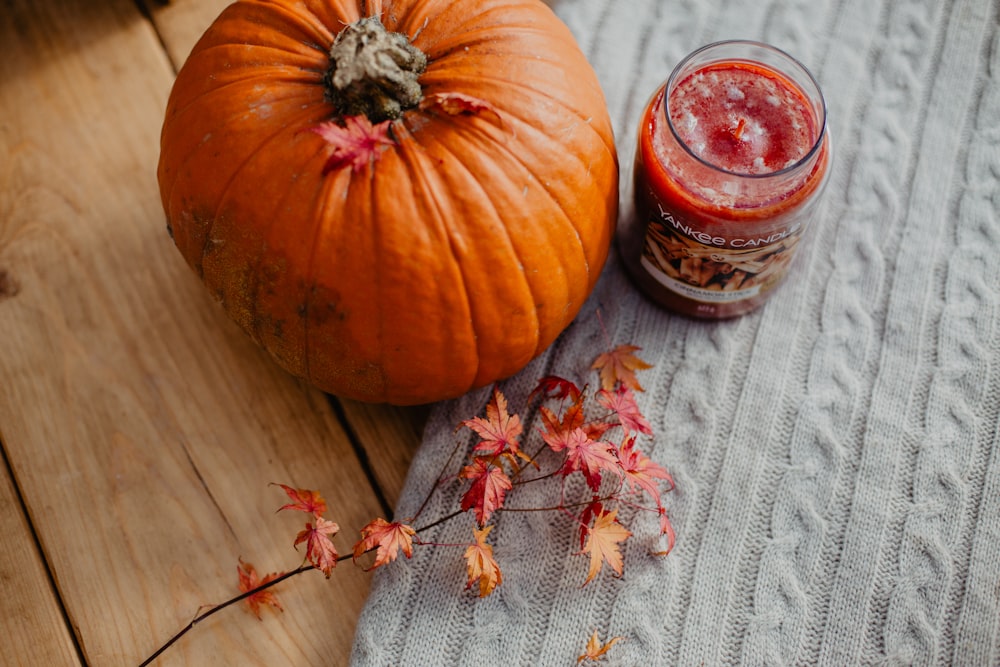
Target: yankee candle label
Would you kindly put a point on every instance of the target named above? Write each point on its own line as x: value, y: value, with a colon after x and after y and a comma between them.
x: 707, y: 273
x: 698, y: 293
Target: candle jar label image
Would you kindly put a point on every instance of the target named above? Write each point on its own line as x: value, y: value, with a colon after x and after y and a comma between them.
x: 714, y: 270
x: 733, y: 153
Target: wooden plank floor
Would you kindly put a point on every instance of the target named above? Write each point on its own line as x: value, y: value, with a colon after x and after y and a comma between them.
x: 140, y: 428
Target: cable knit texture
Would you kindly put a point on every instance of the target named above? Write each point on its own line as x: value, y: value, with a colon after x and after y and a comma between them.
x: 836, y: 453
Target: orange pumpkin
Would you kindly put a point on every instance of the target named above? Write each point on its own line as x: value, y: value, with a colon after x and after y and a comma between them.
x: 413, y: 234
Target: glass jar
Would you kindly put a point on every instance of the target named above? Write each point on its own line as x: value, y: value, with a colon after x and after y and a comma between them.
x: 733, y: 154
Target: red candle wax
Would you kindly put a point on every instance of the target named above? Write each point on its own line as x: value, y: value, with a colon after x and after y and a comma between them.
x: 732, y: 155
x: 742, y: 118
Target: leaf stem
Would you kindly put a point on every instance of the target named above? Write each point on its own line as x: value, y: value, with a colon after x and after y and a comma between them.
x: 560, y: 507
x: 199, y: 617
x: 440, y: 479
x: 539, y: 478
x: 442, y: 544
x: 438, y: 522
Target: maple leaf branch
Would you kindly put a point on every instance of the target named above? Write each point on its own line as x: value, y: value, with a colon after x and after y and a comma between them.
x: 575, y: 442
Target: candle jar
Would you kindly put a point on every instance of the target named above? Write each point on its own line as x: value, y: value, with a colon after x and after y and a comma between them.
x: 733, y: 153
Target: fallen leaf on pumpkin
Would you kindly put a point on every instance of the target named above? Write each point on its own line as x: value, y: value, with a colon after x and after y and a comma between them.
x: 390, y: 538
x: 489, y: 486
x: 602, y: 544
x: 249, y: 580
x: 356, y: 143
x: 595, y: 649
x: 304, y: 500
x: 481, y: 565
x: 454, y: 104
x: 319, y: 549
x: 619, y: 365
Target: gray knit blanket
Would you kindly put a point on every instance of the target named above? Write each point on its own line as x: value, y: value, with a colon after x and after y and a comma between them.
x: 836, y: 453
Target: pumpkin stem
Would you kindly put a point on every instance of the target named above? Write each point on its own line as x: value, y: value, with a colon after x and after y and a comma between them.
x: 373, y: 72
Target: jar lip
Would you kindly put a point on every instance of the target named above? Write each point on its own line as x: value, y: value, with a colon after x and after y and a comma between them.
x: 791, y: 61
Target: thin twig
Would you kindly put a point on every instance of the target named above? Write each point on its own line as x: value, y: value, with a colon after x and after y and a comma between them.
x: 437, y: 483
x: 438, y: 522
x: 219, y: 607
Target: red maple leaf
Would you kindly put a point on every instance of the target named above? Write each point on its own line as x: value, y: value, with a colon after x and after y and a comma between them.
x: 641, y: 471
x: 589, y: 457
x: 622, y: 402
x: 666, y: 528
x: 356, y: 143
x: 390, y: 538
x: 304, y: 500
x: 481, y: 565
x: 499, y: 430
x: 602, y: 544
x: 319, y: 549
x: 553, y: 386
x: 489, y: 486
x: 249, y: 580
x: 619, y: 365
x: 593, y: 509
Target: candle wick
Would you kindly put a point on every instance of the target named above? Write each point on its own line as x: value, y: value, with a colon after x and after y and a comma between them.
x: 737, y: 132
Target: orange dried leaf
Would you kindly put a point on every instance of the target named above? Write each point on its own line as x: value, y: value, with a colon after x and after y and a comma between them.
x: 249, y: 580
x: 602, y: 544
x: 390, y: 538
x: 489, y: 486
x: 356, y: 143
x: 304, y: 500
x: 595, y: 649
x: 481, y: 565
x: 619, y: 365
x: 320, y: 551
x: 454, y: 104
x: 499, y: 431
x: 557, y: 430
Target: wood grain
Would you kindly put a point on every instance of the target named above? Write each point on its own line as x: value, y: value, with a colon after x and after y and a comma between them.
x: 33, y: 622
x: 180, y: 23
x: 389, y: 437
x: 142, y: 426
